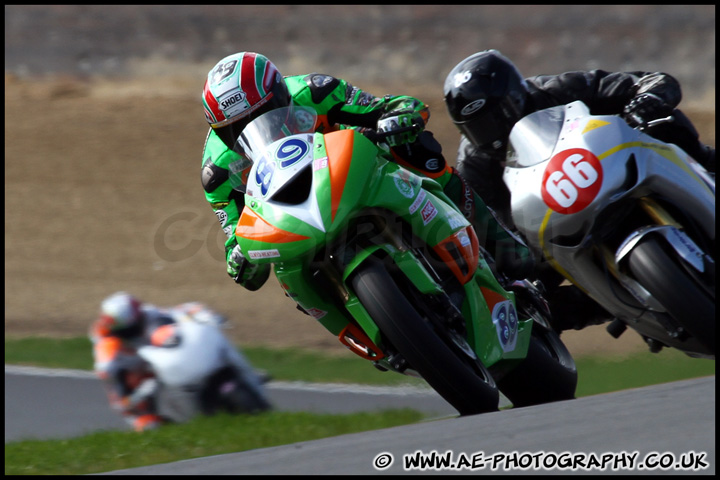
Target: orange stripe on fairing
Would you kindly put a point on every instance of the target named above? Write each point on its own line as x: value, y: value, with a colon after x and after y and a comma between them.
x: 470, y: 253
x: 339, y: 148
x: 107, y: 348
x: 162, y: 334
x: 254, y: 227
x: 492, y: 298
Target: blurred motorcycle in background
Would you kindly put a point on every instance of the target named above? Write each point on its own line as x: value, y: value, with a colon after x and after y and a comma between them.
x: 201, y: 372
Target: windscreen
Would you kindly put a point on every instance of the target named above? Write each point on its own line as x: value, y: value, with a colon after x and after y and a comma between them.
x: 533, y: 138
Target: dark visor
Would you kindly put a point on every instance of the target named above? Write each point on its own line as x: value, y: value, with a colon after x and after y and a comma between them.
x: 487, y: 128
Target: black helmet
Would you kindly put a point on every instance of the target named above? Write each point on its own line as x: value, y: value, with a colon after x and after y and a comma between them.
x: 485, y: 96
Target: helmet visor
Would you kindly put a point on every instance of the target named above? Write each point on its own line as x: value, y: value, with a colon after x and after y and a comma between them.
x: 487, y: 129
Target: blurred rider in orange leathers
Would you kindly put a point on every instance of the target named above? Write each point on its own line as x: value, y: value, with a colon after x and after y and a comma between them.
x: 124, y: 325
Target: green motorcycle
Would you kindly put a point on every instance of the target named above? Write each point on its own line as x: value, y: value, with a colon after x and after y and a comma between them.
x: 384, y: 260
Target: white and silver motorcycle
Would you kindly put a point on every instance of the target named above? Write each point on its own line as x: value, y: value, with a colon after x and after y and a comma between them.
x: 626, y: 218
x: 199, y: 371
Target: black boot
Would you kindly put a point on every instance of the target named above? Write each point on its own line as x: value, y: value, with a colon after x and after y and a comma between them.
x: 573, y: 310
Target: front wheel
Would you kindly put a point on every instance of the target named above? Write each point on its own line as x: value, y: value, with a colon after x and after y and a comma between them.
x: 660, y: 273
x: 228, y: 390
x: 461, y: 380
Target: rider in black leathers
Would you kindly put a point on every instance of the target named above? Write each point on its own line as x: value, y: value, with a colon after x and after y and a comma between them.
x: 486, y: 95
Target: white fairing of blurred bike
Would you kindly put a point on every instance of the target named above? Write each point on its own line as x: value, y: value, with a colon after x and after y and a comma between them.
x: 202, y: 350
x: 201, y: 372
x: 574, y: 177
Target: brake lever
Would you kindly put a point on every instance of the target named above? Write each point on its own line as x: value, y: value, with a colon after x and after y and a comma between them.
x: 657, y: 121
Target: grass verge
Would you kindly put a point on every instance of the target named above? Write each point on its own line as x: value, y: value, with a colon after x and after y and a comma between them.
x: 201, y: 437
x: 106, y: 451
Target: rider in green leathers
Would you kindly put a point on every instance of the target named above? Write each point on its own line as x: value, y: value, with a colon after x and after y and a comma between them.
x: 245, y: 85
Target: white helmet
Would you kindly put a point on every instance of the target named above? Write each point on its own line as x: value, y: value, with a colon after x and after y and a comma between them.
x: 121, y: 315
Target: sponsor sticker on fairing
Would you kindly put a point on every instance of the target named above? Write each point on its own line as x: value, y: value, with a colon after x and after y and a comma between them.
x: 455, y: 220
x: 404, y: 187
x: 428, y: 212
x: 505, y: 319
x: 259, y: 254
x: 418, y: 201
x: 316, y: 313
x: 320, y: 163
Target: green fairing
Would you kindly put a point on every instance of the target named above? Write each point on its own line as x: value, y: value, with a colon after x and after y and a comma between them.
x: 474, y: 307
x: 388, y: 187
x: 394, y: 189
x: 307, y: 294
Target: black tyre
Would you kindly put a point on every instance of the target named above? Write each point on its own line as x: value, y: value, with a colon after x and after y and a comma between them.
x: 656, y: 269
x: 228, y: 390
x: 244, y: 399
x: 460, y: 380
x: 547, y: 374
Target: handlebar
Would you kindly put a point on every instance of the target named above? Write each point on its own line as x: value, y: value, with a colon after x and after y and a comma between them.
x: 658, y: 121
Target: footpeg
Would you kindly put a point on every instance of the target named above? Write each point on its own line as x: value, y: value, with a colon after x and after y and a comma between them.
x: 398, y: 363
x: 616, y: 328
x: 654, y: 345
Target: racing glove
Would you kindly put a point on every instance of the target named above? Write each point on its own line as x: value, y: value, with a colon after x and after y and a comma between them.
x: 249, y: 275
x: 644, y: 108
x: 402, y: 126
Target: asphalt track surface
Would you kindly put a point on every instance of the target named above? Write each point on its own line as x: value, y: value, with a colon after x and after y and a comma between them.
x: 630, y: 430
x: 45, y: 403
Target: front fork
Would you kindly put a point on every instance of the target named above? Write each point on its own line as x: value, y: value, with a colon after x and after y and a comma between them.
x: 672, y: 233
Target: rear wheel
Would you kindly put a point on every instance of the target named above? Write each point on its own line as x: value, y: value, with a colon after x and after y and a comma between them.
x: 447, y: 365
x: 668, y: 281
x: 546, y: 374
x: 228, y: 390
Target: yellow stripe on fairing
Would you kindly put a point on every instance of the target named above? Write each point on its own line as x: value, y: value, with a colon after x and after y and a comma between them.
x: 662, y: 150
